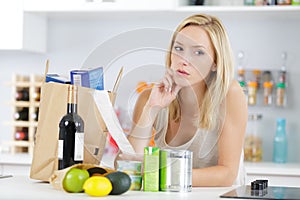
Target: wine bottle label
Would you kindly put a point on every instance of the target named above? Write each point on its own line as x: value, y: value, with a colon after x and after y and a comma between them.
x: 79, y: 144
x: 60, y: 149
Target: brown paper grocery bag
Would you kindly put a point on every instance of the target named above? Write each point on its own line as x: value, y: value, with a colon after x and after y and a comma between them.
x: 53, y: 106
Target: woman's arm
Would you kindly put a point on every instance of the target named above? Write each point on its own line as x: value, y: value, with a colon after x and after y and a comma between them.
x: 230, y: 143
x: 148, y: 105
x: 143, y: 119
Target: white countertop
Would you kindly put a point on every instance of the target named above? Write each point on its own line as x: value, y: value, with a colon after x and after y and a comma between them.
x: 22, y: 187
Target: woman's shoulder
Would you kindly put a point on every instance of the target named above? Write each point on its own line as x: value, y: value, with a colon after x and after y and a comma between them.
x: 235, y: 91
x: 236, y: 98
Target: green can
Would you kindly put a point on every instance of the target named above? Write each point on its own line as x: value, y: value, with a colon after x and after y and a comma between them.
x: 151, y: 169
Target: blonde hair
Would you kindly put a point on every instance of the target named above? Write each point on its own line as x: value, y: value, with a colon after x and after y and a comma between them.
x: 217, y: 82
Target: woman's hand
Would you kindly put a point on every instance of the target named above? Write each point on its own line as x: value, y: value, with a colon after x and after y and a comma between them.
x: 165, y: 92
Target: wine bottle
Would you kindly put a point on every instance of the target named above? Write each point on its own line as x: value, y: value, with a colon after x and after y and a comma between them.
x: 22, y: 95
x: 35, y: 115
x: 21, y: 135
x: 36, y: 96
x: 71, y: 133
x: 22, y: 115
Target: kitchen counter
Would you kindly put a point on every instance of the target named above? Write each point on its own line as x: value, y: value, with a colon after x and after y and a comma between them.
x: 22, y: 187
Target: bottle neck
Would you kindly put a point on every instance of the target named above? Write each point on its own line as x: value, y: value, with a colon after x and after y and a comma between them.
x: 72, y: 99
x: 72, y: 108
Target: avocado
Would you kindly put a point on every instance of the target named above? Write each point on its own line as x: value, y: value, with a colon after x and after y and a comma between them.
x: 96, y: 171
x: 120, y: 181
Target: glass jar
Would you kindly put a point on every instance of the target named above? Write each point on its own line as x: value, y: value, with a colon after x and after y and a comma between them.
x: 252, y: 93
x: 253, y: 143
x: 257, y: 77
x: 280, y: 94
x: 268, y: 86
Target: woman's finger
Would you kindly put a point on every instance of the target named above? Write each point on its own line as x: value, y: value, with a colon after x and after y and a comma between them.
x: 167, y: 81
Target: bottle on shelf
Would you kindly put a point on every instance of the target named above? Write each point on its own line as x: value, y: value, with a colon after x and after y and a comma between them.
x: 252, y: 93
x: 36, y: 94
x: 257, y: 77
x: 280, y: 95
x: 241, y: 71
x: 280, y: 150
x: 267, y: 76
x: 35, y: 114
x: 71, y: 133
x: 268, y: 98
x: 22, y: 94
x: 241, y: 78
x: 21, y: 134
x: 253, y: 149
x: 282, y: 71
x: 281, y: 84
x: 22, y: 114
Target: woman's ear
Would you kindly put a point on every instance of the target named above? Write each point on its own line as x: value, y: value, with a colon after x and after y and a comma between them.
x: 214, y: 67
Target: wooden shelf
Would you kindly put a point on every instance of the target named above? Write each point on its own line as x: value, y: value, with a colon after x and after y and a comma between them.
x: 33, y: 84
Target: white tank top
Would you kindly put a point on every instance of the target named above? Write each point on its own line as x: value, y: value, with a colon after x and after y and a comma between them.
x: 204, y: 145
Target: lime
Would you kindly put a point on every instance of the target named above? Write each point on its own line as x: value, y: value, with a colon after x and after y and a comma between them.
x: 97, y: 186
x: 74, y: 180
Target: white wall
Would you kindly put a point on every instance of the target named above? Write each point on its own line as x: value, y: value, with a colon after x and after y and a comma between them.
x: 137, y: 42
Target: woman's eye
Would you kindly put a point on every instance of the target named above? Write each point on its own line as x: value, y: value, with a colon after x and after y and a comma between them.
x: 199, y: 52
x: 178, y: 48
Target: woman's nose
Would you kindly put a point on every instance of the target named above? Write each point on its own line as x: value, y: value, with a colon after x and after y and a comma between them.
x: 184, y: 61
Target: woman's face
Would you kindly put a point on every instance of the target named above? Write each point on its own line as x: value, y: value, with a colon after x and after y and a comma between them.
x: 192, y: 55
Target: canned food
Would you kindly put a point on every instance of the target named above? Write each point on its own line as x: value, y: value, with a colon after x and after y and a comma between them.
x: 129, y: 166
x: 176, y: 170
x: 136, y: 182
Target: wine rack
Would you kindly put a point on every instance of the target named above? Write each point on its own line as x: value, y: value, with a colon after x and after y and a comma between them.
x: 25, y: 105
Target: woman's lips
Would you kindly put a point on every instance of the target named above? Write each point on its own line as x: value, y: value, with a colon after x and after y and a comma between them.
x: 182, y: 72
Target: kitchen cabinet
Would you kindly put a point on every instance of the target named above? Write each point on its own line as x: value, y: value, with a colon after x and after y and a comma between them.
x: 84, y: 6
x: 94, y: 8
x: 278, y: 174
x: 19, y: 30
x: 15, y: 164
x: 27, y: 27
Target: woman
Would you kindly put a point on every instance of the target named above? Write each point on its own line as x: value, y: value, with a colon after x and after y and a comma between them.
x: 197, y: 105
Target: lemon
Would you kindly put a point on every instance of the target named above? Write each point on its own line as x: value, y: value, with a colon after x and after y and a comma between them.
x: 97, y: 186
